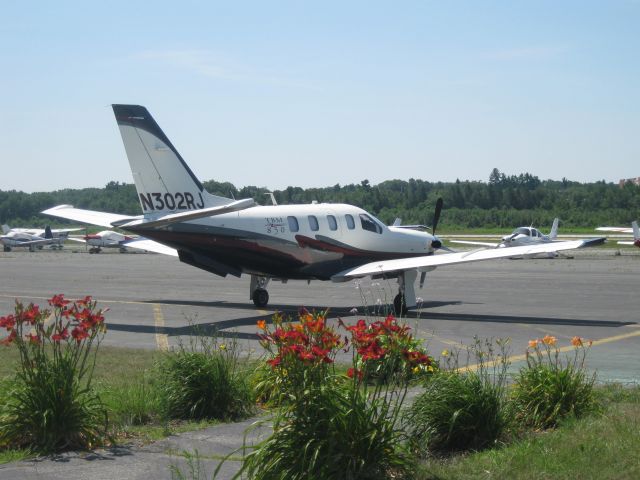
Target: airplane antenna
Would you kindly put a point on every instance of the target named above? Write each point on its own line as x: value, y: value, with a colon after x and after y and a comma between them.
x: 273, y: 198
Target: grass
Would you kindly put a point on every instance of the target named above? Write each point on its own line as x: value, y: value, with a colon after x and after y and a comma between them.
x: 123, y: 380
x: 599, y: 446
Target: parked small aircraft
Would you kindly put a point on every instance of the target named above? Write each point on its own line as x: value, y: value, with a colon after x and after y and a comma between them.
x: 634, y: 229
x: 33, y: 238
x: 225, y: 236
x: 519, y: 237
x: 111, y: 239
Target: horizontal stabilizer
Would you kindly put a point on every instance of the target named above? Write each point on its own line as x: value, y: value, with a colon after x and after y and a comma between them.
x: 186, y: 216
x: 91, y: 217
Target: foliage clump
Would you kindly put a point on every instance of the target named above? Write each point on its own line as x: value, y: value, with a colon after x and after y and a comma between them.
x: 331, y: 425
x: 462, y: 408
x: 203, y: 380
x: 550, y: 389
x: 50, y: 404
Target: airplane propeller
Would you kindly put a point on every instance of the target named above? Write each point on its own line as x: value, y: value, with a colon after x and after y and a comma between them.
x: 436, y: 243
x: 436, y: 215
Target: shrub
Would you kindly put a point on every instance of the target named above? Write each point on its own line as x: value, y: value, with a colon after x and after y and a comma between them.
x: 387, y: 352
x: 51, y: 404
x: 204, y: 380
x: 549, y: 389
x: 330, y: 425
x: 462, y: 409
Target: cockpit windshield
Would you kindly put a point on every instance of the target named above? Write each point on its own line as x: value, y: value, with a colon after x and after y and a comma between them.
x: 522, y: 231
x: 369, y: 223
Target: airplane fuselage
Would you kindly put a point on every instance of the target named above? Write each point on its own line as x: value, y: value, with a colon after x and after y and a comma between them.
x: 312, y: 241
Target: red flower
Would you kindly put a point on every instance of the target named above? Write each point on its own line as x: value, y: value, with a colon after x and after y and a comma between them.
x: 58, y: 301
x: 33, y: 339
x: 354, y: 371
x: 30, y: 314
x: 79, y: 334
x: 63, y: 335
x: 275, y: 361
x: 8, y: 322
x: 84, y: 301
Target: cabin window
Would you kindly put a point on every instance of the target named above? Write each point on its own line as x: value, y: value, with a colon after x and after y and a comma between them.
x: 351, y: 224
x: 369, y: 224
x: 293, y: 224
x: 333, y: 224
x: 313, y: 223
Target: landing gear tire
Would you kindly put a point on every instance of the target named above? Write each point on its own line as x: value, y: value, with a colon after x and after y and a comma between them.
x: 400, y: 305
x: 260, y: 298
x: 7, y: 248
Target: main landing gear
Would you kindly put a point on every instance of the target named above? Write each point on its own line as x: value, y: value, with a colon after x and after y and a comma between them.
x: 258, y: 291
x: 406, y: 296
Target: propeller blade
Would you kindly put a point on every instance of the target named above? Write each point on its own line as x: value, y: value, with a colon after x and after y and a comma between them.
x: 436, y: 215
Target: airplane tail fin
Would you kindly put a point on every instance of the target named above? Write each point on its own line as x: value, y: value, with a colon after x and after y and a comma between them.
x: 554, y: 229
x: 5, y: 229
x: 47, y: 232
x: 636, y: 230
x: 164, y: 181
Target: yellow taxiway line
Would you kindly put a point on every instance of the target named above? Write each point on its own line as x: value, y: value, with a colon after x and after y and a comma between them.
x: 568, y: 348
x: 162, y: 339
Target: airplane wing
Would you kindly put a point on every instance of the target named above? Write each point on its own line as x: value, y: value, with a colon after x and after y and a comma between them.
x: 26, y: 243
x: 432, y: 261
x: 76, y: 239
x: 92, y: 217
x: 469, y: 242
x: 615, y: 229
x: 66, y: 230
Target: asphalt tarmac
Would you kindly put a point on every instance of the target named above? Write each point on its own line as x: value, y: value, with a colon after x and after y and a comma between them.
x: 155, y: 300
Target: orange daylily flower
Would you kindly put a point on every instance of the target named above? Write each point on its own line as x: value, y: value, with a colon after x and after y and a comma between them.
x: 262, y: 324
x: 533, y: 343
x: 549, y: 340
x: 576, y: 341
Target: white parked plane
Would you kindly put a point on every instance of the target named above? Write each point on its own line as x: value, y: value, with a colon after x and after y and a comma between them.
x: 224, y: 236
x: 634, y: 229
x: 104, y: 239
x: 33, y: 238
x: 519, y: 237
x: 111, y: 239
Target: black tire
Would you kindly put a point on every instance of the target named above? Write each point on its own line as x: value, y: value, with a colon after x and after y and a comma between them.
x: 7, y: 248
x: 400, y: 305
x: 260, y: 297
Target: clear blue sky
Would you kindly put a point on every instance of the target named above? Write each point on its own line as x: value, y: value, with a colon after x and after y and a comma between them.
x: 317, y: 93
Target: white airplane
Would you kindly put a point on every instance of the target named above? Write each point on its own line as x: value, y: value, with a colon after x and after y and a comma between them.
x: 225, y: 236
x: 33, y: 238
x: 634, y: 229
x: 104, y: 239
x: 519, y: 237
x: 111, y: 239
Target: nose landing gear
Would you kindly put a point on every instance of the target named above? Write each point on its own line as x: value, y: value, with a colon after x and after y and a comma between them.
x: 258, y: 291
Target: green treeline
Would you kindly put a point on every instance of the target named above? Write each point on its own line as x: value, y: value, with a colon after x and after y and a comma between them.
x: 504, y: 201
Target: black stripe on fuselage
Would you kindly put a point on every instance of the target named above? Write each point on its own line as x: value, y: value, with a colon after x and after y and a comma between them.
x: 260, y: 254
